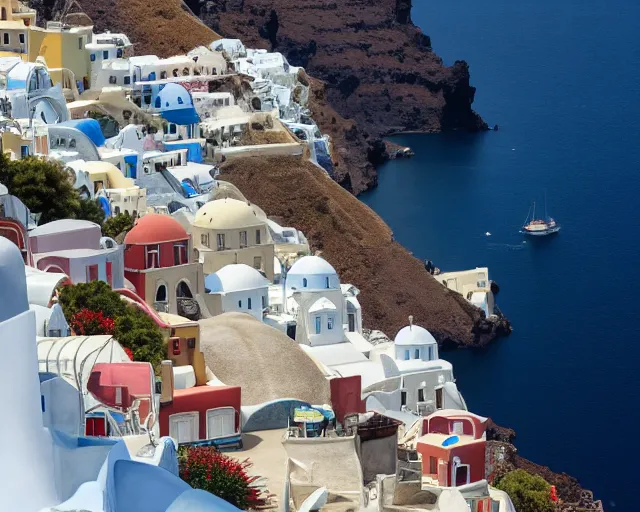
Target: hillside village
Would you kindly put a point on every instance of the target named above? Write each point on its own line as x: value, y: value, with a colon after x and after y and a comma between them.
x: 199, y: 320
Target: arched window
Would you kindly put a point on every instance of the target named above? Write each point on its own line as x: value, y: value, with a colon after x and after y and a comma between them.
x: 304, y: 282
x: 158, y: 102
x: 326, y: 281
x: 239, y: 303
x: 180, y: 101
x: 161, y: 293
x: 3, y: 14
x: 183, y: 290
x: 249, y: 303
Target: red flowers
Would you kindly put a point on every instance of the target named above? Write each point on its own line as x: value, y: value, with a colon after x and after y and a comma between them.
x: 128, y: 352
x: 207, y: 469
x: 89, y: 323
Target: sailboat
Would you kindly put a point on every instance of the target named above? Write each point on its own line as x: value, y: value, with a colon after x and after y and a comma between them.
x: 539, y: 227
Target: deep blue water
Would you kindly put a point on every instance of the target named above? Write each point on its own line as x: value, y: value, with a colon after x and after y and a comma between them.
x: 561, y: 78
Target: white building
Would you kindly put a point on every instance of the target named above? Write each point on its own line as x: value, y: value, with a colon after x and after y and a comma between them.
x: 238, y: 288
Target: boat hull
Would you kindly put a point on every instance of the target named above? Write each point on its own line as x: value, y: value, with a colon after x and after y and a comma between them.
x: 542, y: 232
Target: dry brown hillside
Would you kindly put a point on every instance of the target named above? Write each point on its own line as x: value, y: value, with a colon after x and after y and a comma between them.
x: 360, y: 246
x: 162, y: 28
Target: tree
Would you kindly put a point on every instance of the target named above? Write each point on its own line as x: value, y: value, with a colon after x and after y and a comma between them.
x: 136, y: 331
x: 44, y: 187
x: 529, y: 493
x: 94, y: 296
x: 132, y: 327
x: 203, y: 467
x: 113, y: 226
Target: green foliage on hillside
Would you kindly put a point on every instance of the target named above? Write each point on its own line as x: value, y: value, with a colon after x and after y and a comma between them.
x: 529, y: 493
x: 134, y: 329
x: 43, y: 186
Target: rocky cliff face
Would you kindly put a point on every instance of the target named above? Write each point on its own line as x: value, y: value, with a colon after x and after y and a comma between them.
x: 379, y: 69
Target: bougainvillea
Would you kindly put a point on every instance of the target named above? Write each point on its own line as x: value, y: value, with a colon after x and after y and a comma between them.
x: 128, y: 352
x: 203, y: 467
x: 90, y: 323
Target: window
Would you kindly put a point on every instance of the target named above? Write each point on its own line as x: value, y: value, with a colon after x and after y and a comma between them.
x: 93, y: 57
x: 318, y: 325
x: 403, y: 398
x: 79, y: 43
x: 127, y: 80
x: 24, y: 151
x: 264, y: 305
x: 179, y: 254
x: 21, y: 38
x: 161, y: 293
x: 5, y: 38
x: 158, y: 102
x: 172, y: 129
x: 458, y: 428
x: 240, y: 303
x: 407, y: 355
x: 119, y: 53
x: 105, y: 54
x: 163, y: 75
x: 3, y: 16
x: 243, y: 239
x: 330, y: 323
x: 433, y: 465
x: 249, y: 303
x: 420, y: 395
x: 430, y: 353
x: 257, y: 262
x: 180, y: 101
x: 417, y: 354
x: 204, y: 240
x: 92, y: 273
x: 258, y: 237
x: 304, y: 282
x: 220, y: 238
x: 326, y: 282
x: 113, y: 80
x: 153, y: 256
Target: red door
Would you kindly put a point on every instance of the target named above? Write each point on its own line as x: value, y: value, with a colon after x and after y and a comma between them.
x: 92, y: 273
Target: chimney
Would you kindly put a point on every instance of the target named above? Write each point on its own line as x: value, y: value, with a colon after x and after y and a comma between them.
x: 166, y: 374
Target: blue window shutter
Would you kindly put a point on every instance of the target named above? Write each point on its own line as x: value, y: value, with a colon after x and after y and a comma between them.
x: 42, y: 402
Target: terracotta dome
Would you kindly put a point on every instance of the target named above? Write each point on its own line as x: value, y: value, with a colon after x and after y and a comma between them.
x: 155, y: 229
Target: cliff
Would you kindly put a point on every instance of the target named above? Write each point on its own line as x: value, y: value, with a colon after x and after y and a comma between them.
x: 379, y: 69
x: 375, y: 72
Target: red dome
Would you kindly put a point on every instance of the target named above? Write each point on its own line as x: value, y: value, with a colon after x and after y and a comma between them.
x: 155, y: 229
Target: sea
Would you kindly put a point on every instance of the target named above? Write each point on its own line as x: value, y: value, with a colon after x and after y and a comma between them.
x: 561, y: 78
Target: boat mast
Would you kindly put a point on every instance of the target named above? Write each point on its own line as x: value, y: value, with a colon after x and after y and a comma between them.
x: 545, y: 206
x: 534, y: 211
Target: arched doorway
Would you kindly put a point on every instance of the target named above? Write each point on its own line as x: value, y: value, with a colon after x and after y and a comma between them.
x: 161, y: 293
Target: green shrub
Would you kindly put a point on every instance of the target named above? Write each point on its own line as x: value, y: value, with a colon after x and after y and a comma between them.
x: 529, y: 493
x: 113, y: 226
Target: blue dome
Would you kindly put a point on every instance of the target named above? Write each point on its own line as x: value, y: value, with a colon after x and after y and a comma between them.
x: 176, y: 105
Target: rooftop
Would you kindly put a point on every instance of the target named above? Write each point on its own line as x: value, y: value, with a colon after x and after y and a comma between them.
x: 154, y: 229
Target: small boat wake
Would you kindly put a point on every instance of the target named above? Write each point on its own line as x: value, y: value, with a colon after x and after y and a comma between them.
x: 511, y: 247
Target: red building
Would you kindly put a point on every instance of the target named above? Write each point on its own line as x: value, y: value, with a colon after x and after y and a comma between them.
x: 158, y: 262
x: 453, y: 448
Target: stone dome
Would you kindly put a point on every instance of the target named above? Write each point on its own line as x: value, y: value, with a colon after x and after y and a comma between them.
x: 235, y: 278
x: 224, y: 214
x: 154, y: 228
x: 414, y: 335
